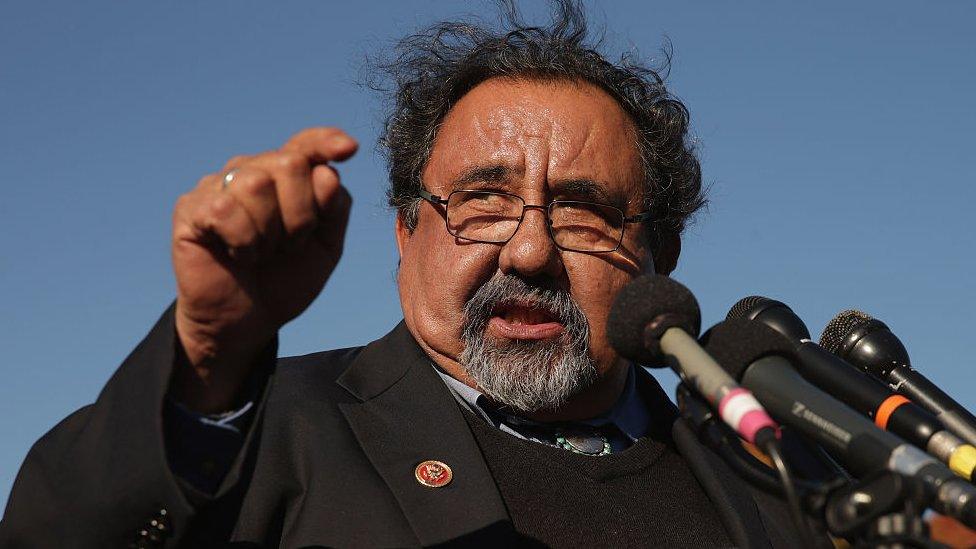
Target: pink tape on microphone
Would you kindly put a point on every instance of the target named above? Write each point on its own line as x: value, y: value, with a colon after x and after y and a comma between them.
x: 743, y: 412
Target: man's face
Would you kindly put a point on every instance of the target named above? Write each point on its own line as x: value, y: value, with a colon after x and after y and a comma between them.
x: 542, y: 141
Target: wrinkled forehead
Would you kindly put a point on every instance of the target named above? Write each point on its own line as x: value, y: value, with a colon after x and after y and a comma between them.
x: 538, y: 129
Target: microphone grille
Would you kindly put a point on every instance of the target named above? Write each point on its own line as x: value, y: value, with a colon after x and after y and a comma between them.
x: 840, y: 326
x: 744, y: 305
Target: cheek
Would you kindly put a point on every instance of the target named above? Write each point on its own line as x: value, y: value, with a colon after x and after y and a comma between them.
x: 437, y: 276
x: 594, y: 284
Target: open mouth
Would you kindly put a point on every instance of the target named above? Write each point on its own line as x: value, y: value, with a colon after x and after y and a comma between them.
x: 522, y: 320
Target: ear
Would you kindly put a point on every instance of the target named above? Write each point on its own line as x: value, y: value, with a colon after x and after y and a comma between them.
x: 402, y: 234
x: 667, y: 254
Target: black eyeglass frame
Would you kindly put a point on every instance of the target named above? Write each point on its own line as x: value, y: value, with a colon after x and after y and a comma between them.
x: 636, y: 218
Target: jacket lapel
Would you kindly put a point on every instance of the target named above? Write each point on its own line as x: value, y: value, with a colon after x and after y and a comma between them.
x: 406, y: 415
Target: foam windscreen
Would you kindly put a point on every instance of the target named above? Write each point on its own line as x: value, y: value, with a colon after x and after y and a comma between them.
x: 650, y: 300
x: 737, y: 343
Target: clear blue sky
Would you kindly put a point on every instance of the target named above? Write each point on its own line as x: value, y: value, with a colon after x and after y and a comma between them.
x: 837, y: 137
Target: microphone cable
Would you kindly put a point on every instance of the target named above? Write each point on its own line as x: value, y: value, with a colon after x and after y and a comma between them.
x: 770, y: 445
x: 727, y: 444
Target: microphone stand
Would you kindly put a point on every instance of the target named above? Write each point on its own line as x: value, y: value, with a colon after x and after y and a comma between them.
x: 882, y: 510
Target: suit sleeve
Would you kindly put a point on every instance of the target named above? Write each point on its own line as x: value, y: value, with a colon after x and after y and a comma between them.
x: 101, y: 477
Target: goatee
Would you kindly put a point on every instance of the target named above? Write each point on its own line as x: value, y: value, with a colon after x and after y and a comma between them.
x: 527, y: 375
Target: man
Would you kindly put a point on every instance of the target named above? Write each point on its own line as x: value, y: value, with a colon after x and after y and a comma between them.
x: 532, y: 180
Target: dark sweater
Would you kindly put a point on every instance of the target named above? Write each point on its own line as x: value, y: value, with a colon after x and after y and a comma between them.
x: 643, y: 496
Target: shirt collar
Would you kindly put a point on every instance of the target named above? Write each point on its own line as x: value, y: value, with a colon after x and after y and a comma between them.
x: 629, y: 414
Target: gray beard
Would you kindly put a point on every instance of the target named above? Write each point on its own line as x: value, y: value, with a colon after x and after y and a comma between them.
x: 528, y: 376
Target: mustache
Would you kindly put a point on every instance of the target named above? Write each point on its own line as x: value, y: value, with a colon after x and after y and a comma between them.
x: 504, y: 290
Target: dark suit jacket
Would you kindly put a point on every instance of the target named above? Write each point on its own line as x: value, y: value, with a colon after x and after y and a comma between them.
x: 328, y: 461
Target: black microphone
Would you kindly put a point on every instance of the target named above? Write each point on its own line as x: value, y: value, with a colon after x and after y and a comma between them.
x: 889, y: 410
x: 654, y: 320
x: 870, y: 345
x: 762, y: 360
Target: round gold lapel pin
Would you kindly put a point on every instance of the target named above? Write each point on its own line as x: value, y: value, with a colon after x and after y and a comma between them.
x: 433, y: 474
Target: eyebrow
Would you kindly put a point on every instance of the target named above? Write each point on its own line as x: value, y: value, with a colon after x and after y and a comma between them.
x: 582, y: 188
x: 496, y: 173
x: 590, y: 191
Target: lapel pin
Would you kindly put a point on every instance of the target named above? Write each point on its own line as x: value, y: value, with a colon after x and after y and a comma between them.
x: 433, y: 474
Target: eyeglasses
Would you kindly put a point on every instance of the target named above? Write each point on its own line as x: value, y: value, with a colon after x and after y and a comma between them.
x: 494, y: 218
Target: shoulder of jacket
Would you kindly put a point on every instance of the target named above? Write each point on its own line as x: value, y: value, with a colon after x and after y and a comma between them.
x: 312, y: 376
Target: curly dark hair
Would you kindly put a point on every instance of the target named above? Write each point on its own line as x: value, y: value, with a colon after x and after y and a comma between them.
x: 432, y: 69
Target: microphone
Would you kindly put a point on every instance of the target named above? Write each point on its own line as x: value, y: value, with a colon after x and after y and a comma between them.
x: 761, y: 359
x: 869, y: 344
x: 654, y: 321
x: 890, y: 411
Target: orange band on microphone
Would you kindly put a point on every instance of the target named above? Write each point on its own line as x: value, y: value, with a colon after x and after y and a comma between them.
x: 887, y: 408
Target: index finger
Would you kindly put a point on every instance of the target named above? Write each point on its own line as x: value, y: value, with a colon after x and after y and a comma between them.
x: 321, y: 145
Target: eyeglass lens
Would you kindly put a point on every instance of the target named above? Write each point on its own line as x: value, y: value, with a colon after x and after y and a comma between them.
x: 492, y: 217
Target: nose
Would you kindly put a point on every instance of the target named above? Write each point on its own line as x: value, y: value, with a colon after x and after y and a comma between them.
x: 531, y: 252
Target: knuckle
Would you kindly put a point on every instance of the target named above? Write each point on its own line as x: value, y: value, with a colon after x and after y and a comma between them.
x: 255, y: 183
x: 236, y: 161
x: 204, y: 181
x: 290, y: 162
x: 219, y: 207
x: 184, y: 207
x: 182, y: 202
x: 319, y: 131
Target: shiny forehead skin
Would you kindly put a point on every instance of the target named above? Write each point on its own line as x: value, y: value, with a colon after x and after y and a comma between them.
x: 564, y: 135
